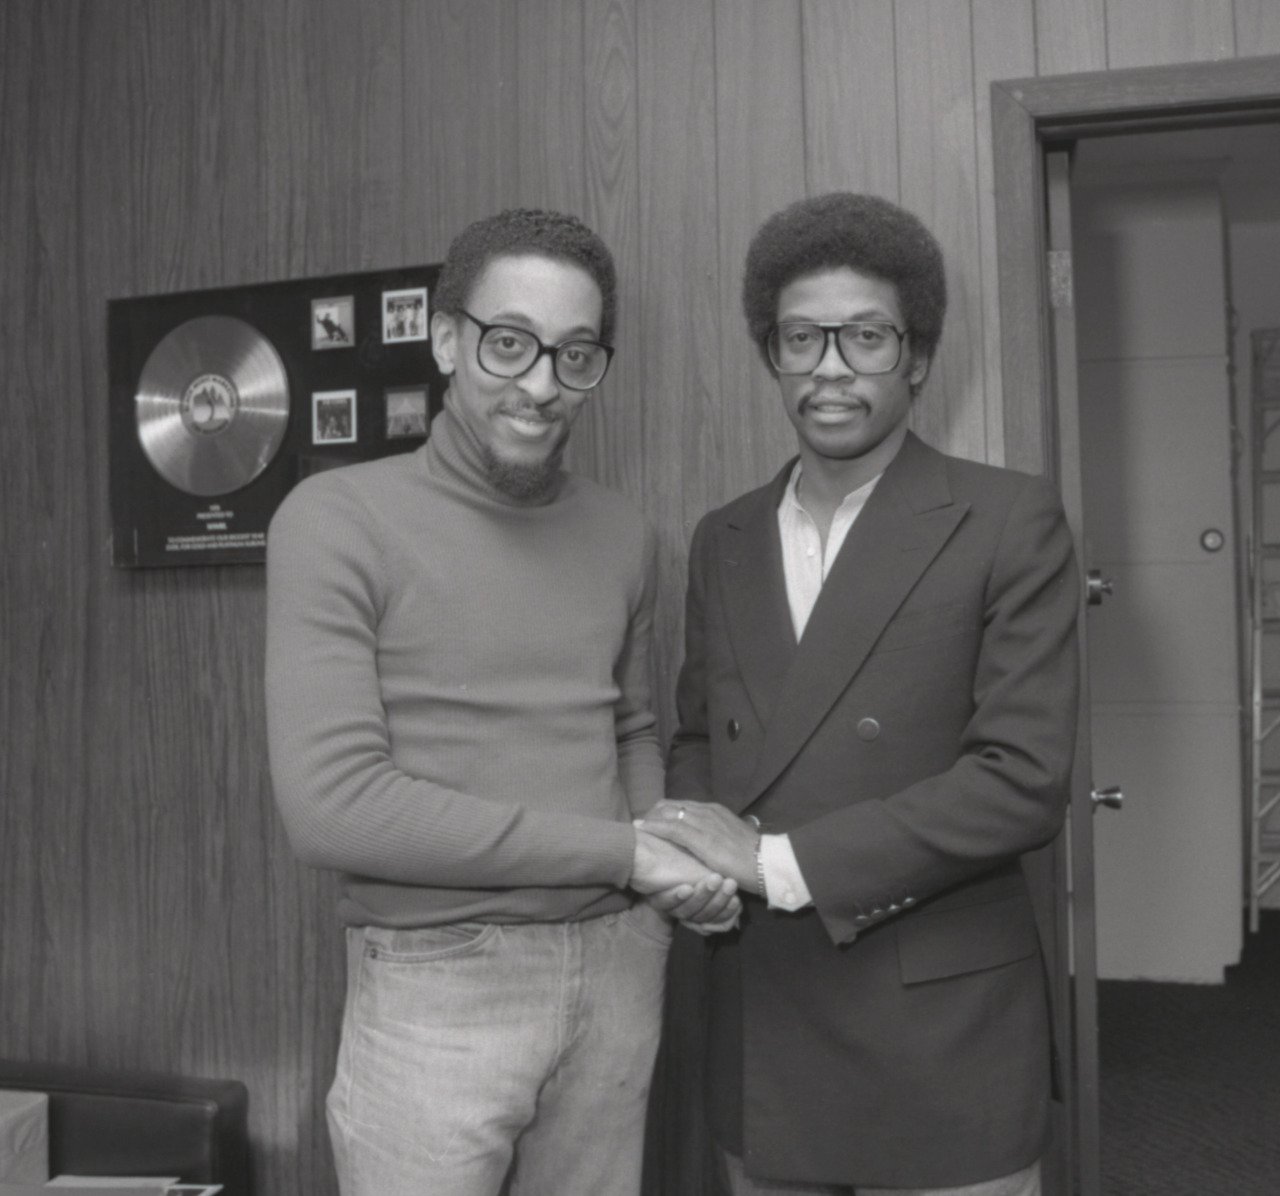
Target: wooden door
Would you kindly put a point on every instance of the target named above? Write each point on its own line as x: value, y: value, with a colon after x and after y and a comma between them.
x: 1155, y: 425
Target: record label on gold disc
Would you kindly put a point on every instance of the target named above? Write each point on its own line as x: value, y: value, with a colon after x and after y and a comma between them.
x: 212, y: 405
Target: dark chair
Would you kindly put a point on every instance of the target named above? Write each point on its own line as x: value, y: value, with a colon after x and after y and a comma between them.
x: 140, y: 1123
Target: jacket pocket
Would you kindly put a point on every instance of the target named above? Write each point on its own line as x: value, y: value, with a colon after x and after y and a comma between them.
x: 934, y: 944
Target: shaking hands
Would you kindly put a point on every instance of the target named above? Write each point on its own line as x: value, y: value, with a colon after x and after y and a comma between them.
x: 690, y: 861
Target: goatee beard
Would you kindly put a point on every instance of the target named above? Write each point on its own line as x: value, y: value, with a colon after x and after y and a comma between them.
x: 524, y: 483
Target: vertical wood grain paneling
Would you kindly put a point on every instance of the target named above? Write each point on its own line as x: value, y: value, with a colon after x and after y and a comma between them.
x: 550, y: 105
x: 679, y: 321
x: 1181, y: 31
x: 1257, y: 26
x: 1003, y: 48
x: 287, y: 195
x: 607, y: 444
x: 21, y: 941
x: 939, y: 162
x: 1071, y: 35
x: 851, y: 118
x: 21, y: 945
x: 760, y: 164
x: 47, y: 542
x: 336, y: 116
x: 459, y: 138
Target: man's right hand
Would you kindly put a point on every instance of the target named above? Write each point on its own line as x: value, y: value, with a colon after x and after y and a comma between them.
x: 659, y: 866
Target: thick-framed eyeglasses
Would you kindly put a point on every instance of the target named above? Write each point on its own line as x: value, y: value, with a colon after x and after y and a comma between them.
x: 865, y: 346
x: 507, y: 352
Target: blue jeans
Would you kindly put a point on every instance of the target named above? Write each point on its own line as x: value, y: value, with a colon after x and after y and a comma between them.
x: 477, y: 1053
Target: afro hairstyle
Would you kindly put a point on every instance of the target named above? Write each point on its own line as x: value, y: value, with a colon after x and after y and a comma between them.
x: 520, y: 231
x: 860, y: 232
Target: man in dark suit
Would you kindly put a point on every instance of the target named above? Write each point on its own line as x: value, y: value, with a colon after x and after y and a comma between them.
x: 877, y: 718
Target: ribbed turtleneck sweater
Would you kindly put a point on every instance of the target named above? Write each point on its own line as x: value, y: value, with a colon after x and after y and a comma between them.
x: 458, y: 700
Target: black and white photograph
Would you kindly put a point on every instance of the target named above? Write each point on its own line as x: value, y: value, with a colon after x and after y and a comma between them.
x: 406, y: 412
x: 333, y: 417
x: 404, y: 315
x: 333, y: 322
x: 641, y: 597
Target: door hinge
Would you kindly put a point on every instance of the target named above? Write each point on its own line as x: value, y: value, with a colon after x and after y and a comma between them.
x: 1061, y: 287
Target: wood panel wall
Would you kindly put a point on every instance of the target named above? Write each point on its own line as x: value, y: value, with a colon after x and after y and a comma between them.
x: 150, y: 913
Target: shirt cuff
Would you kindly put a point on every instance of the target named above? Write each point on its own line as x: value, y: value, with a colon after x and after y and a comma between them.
x: 784, y: 887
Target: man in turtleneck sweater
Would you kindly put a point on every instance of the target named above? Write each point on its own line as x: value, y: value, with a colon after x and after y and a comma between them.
x: 459, y: 723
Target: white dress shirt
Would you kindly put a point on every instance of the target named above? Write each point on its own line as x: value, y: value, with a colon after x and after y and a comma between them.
x: 805, y: 565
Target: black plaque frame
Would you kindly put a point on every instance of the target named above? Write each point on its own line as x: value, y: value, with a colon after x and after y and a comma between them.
x: 156, y: 524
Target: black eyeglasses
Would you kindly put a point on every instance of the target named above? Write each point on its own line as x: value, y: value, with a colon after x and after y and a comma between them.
x: 865, y: 346
x: 507, y: 352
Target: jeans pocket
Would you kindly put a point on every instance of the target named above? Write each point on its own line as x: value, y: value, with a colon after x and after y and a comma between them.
x: 426, y: 944
x: 647, y: 923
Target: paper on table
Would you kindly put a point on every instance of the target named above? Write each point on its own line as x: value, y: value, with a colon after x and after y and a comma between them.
x: 24, y: 1137
x: 128, y: 1185
x: 159, y: 1183
x: 78, y: 1190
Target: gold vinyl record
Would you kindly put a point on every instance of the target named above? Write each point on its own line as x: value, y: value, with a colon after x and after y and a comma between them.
x: 212, y: 405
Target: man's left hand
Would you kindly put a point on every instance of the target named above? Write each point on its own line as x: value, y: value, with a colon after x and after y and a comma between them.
x: 706, y: 908
x: 717, y: 836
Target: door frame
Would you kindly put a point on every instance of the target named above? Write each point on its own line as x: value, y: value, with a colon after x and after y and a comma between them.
x: 1029, y: 114
x: 1029, y: 118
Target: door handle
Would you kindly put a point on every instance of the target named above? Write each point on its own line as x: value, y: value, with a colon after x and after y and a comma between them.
x: 1112, y: 797
x: 1097, y: 587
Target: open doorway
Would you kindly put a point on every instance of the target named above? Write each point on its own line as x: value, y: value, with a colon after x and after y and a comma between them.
x: 1176, y: 240
x: 1032, y: 120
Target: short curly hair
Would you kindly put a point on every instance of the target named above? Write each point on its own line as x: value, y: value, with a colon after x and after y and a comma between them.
x: 519, y: 231
x: 861, y: 232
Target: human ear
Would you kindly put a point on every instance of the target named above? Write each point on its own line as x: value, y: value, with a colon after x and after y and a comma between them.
x: 444, y: 341
x: 918, y: 372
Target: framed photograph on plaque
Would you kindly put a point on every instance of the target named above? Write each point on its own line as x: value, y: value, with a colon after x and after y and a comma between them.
x: 407, y: 411
x: 404, y: 315
x: 333, y: 417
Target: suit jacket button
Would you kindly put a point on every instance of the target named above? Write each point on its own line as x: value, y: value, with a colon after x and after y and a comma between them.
x: 733, y: 728
x: 868, y: 728
x: 861, y: 919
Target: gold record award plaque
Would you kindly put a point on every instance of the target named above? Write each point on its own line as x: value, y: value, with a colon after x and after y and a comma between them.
x: 212, y: 405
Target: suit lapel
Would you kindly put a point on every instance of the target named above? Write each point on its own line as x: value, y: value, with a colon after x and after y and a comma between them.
x: 908, y: 518
x: 749, y: 567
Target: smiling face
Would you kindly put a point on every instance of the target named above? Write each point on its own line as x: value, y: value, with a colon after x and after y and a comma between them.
x: 520, y: 424
x: 847, y: 423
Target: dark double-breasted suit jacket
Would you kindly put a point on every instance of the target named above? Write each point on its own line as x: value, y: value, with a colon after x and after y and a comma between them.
x: 914, y: 744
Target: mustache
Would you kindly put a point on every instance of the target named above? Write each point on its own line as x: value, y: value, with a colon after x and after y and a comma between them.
x: 528, y: 411
x: 834, y: 395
